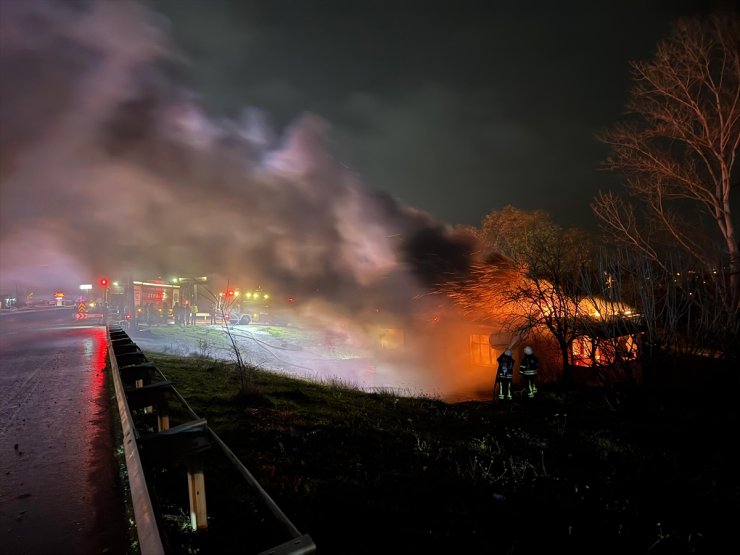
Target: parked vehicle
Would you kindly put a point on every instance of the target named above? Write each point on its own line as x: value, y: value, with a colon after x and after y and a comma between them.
x: 242, y: 320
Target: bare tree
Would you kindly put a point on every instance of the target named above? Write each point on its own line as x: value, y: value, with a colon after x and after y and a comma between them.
x: 222, y: 304
x: 677, y: 309
x: 530, y: 279
x: 553, y: 291
x: 515, y: 233
x: 678, y: 149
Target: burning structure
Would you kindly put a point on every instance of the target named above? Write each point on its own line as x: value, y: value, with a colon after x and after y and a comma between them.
x: 567, y: 326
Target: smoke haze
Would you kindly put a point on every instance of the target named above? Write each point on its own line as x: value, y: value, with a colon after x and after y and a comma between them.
x: 108, y: 166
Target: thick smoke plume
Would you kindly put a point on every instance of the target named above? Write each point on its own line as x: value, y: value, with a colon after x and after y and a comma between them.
x: 109, y: 167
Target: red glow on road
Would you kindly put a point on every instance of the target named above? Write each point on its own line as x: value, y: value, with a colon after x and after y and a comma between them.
x: 98, y: 360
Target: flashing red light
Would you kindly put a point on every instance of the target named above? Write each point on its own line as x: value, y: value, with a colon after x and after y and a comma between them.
x: 104, y: 282
x: 291, y: 299
x: 230, y: 292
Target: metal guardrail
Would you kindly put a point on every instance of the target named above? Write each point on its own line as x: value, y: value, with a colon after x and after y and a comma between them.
x: 150, y: 542
x: 186, y: 441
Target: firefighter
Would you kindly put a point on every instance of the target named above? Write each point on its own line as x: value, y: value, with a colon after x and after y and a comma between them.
x: 504, y: 375
x: 528, y: 370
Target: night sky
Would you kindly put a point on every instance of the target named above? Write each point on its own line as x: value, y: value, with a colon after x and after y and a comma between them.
x: 456, y: 108
x: 322, y: 148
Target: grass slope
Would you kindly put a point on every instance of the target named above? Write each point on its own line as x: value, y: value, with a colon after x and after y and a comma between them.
x: 623, y: 471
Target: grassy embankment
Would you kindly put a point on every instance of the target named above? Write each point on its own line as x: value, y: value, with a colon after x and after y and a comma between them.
x: 624, y: 471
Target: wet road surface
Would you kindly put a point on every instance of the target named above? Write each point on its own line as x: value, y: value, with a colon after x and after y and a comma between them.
x: 59, y: 481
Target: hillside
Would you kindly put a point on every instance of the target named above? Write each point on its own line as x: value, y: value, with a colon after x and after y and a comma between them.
x: 582, y: 471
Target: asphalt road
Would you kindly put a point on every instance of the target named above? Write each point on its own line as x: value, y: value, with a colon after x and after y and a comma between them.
x: 59, y: 489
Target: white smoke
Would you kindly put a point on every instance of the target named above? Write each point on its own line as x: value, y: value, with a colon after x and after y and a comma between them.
x: 108, y: 166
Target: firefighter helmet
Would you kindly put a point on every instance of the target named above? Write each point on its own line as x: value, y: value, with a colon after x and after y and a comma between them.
x: 528, y: 350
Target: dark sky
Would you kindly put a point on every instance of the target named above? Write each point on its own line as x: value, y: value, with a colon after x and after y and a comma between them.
x: 456, y: 108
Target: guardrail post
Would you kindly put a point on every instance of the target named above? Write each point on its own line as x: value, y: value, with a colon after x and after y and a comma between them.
x: 163, y: 416
x: 138, y: 385
x: 197, y: 494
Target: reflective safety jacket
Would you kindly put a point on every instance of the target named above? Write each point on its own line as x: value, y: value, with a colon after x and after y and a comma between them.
x: 505, y: 366
x: 529, y: 365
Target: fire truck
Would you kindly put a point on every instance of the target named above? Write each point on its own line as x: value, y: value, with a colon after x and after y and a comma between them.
x: 153, y: 300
